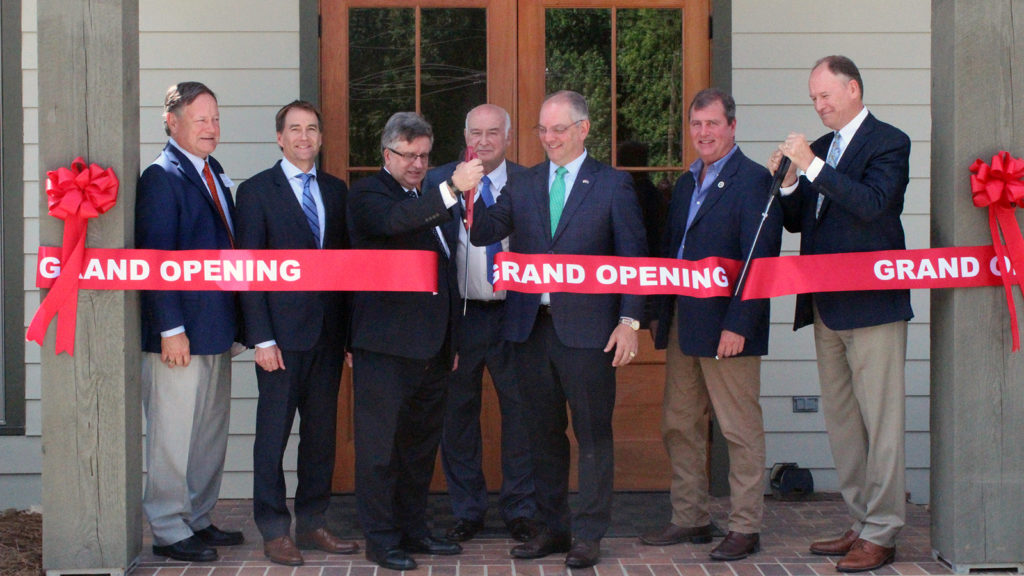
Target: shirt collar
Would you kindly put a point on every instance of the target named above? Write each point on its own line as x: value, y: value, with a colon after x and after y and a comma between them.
x: 571, y: 168
x: 714, y: 169
x: 847, y: 132
x: 196, y: 161
x: 291, y: 171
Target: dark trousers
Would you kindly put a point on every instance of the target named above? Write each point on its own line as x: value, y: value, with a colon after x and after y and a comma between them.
x: 461, y: 444
x: 308, y: 385
x: 550, y: 376
x: 399, y: 411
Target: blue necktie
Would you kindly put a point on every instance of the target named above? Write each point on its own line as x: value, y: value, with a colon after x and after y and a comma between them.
x: 834, y: 153
x: 492, y: 249
x: 309, y: 207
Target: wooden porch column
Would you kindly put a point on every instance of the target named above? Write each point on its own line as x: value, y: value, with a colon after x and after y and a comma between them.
x: 92, y: 456
x: 977, y: 420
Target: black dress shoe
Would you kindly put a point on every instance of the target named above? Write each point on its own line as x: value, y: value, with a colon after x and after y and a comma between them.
x: 544, y: 543
x: 191, y: 549
x: 464, y: 530
x: 430, y: 545
x: 391, y: 558
x: 583, y: 554
x: 522, y: 529
x: 213, y: 536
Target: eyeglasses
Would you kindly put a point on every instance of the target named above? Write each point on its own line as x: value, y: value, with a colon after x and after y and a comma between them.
x: 556, y: 130
x: 409, y: 156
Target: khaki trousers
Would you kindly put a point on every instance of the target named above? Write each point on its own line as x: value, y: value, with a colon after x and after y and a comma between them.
x: 863, y: 394
x: 187, y: 412
x: 733, y: 387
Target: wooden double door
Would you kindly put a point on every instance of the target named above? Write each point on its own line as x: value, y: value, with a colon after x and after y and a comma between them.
x: 638, y: 62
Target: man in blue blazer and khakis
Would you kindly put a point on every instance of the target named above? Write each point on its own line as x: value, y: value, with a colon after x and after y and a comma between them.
x: 184, y: 202
x: 714, y: 345
x: 568, y: 345
x: 299, y: 339
x: 849, y: 199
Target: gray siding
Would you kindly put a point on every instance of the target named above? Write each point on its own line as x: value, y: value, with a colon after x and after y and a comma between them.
x: 774, y: 44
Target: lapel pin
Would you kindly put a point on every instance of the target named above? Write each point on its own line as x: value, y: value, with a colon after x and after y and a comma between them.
x: 721, y: 184
x: 586, y: 181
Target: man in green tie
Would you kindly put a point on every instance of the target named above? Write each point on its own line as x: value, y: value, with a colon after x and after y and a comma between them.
x: 568, y: 345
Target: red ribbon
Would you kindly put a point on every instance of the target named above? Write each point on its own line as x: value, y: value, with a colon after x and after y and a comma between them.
x: 75, y: 194
x: 998, y: 186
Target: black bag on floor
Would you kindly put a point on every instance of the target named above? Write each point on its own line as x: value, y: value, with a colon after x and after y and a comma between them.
x: 791, y: 482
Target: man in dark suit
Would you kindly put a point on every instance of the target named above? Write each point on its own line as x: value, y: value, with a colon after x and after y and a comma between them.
x: 715, y: 344
x: 402, y: 345
x: 488, y: 134
x: 849, y: 199
x: 299, y: 338
x: 568, y: 345
x: 184, y: 202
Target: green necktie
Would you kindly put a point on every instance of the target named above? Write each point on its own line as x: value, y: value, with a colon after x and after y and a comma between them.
x: 557, y: 197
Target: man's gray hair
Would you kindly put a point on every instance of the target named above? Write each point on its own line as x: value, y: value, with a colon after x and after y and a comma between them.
x: 576, y: 102
x: 405, y: 127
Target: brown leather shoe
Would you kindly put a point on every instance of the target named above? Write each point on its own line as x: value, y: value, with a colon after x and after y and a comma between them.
x: 583, y: 554
x: 864, y: 556
x: 736, y: 546
x: 321, y: 539
x: 835, y: 547
x: 282, y: 551
x: 673, y: 534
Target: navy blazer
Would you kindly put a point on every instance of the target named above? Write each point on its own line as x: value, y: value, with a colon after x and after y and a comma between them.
x: 418, y: 325
x: 174, y: 211
x: 860, y: 213
x: 271, y: 217
x: 725, y: 226
x: 601, y: 218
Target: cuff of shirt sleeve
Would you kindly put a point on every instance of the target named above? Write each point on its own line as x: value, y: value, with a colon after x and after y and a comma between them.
x: 172, y: 332
x: 448, y: 196
x: 267, y: 344
x: 814, y: 169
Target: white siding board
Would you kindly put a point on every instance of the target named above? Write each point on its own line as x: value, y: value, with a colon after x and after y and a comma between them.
x: 233, y: 87
x: 897, y: 49
x: 19, y: 491
x: 219, y: 50
x: 22, y: 455
x: 33, y: 417
x: 789, y: 86
x: 771, y: 123
x: 31, y: 198
x: 220, y: 16
x: 832, y: 16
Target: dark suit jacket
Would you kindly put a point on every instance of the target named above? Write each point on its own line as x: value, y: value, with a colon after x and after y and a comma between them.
x: 725, y: 226
x: 601, y: 218
x: 419, y: 325
x: 860, y: 213
x: 174, y: 211
x: 270, y: 217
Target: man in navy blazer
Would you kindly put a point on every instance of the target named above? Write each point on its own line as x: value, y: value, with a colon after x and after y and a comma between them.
x: 849, y: 199
x: 184, y: 202
x: 715, y: 344
x: 402, y: 345
x: 299, y: 338
x: 488, y: 134
x: 568, y: 345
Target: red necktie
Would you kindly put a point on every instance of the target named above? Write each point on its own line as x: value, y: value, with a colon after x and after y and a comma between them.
x: 216, y: 200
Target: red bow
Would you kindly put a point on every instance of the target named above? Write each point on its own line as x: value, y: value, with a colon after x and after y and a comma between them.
x: 999, y: 187
x: 74, y: 195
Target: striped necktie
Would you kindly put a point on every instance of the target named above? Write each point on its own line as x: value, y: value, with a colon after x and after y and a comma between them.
x: 835, y: 151
x: 309, y: 207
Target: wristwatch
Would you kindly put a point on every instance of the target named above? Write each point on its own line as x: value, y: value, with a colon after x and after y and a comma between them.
x: 634, y: 324
x: 452, y: 187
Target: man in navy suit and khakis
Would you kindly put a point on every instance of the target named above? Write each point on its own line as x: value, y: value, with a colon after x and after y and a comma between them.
x: 849, y: 198
x: 568, y: 345
x: 299, y: 339
x: 714, y: 345
x: 184, y: 202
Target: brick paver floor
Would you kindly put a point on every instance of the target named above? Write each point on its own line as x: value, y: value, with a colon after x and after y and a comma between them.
x: 788, y: 529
